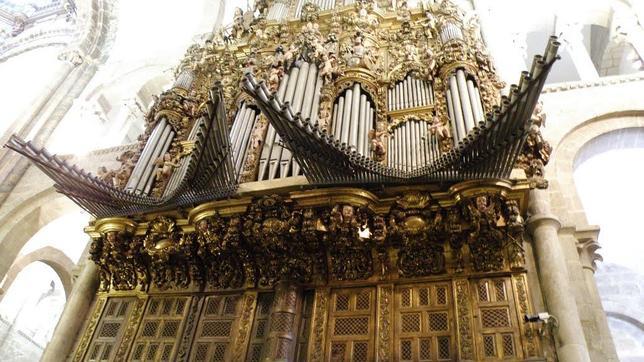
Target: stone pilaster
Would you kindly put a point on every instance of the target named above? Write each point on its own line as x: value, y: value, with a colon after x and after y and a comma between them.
x: 587, y: 247
x: 553, y: 276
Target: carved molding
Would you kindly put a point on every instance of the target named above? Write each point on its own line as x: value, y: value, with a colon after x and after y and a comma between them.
x: 464, y: 319
x: 385, y: 323
x: 130, y: 330
x: 81, y: 349
x: 189, y: 329
x: 276, y: 239
x: 244, y: 326
x: 528, y: 329
x: 318, y: 328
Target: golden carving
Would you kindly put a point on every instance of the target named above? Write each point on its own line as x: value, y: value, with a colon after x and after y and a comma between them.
x: 463, y: 319
x: 385, y: 324
x: 130, y: 329
x: 529, y: 332
x: 189, y: 329
x: 319, y: 325
x: 536, y: 151
x: 244, y: 324
x: 81, y: 349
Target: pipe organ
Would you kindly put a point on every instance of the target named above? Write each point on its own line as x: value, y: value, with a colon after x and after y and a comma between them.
x: 277, y: 11
x: 464, y: 105
x: 300, y: 90
x: 403, y: 241
x: 411, y: 146
x: 241, y: 131
x: 410, y: 93
x: 143, y: 175
x: 353, y: 119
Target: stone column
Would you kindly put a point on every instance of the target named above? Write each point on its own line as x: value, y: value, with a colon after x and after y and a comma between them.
x: 587, y: 246
x: 76, y: 310
x: 282, y: 333
x: 553, y: 276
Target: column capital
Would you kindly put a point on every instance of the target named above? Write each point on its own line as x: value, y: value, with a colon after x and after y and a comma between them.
x: 587, y: 246
x: 537, y: 220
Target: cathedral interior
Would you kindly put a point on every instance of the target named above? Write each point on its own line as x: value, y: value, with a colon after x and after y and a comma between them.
x: 321, y: 180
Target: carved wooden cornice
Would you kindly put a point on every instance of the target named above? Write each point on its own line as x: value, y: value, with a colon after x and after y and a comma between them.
x: 316, y: 236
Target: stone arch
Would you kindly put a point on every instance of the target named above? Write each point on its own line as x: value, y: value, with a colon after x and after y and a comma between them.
x: 52, y: 257
x: 577, y: 144
x: 21, y: 223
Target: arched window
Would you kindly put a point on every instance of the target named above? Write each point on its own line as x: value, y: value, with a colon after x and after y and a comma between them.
x: 608, y: 176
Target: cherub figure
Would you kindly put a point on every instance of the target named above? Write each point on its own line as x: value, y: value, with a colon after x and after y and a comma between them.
x: 438, y: 128
x: 106, y: 175
x: 238, y: 23
x: 165, y: 165
x: 378, y: 144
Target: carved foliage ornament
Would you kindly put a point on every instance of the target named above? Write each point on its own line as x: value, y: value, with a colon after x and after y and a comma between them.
x: 273, y: 241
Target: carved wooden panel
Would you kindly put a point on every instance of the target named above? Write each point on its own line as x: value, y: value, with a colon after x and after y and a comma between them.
x: 215, y: 331
x: 304, y: 329
x: 351, y: 325
x: 110, y: 329
x: 160, y: 329
x: 424, y: 322
x: 497, y: 326
x: 259, y: 332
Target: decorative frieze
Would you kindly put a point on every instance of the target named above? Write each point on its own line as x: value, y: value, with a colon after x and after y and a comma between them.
x: 279, y: 239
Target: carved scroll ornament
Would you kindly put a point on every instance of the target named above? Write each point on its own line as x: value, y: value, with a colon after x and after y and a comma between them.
x: 275, y: 240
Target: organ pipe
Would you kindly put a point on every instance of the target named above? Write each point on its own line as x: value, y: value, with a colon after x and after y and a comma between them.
x: 464, y: 98
x: 412, y: 145
x: 353, y: 118
x: 457, y: 107
x: 464, y: 104
x: 409, y: 93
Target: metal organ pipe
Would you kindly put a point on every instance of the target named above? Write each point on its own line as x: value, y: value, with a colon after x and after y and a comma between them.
x: 297, y: 97
x: 409, y: 93
x: 479, y: 101
x: 309, y: 93
x: 370, y: 125
x: 290, y: 87
x: 419, y: 95
x: 478, y: 113
x: 414, y: 144
x: 363, y: 116
x: 398, y: 100
x: 450, y: 112
x: 159, y: 149
x: 337, y: 126
x: 457, y: 107
x: 346, y: 116
x: 266, y: 152
x: 243, y: 141
x: 315, y: 108
x: 145, y: 156
x: 464, y: 97
x: 423, y: 134
x: 355, y: 117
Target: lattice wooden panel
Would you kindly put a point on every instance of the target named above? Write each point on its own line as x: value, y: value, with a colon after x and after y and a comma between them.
x: 351, y: 325
x: 498, y: 325
x: 216, y: 328
x: 161, y: 329
x: 424, y: 322
x: 110, y: 329
x: 260, y: 327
